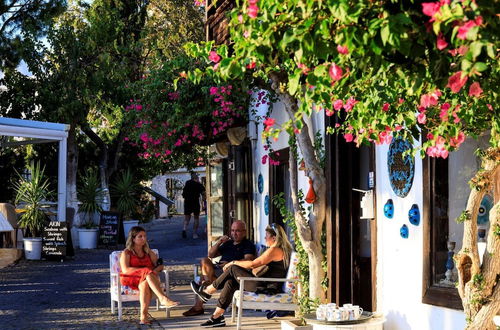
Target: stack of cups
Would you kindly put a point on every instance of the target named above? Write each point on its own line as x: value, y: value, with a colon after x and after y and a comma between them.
x: 330, y: 312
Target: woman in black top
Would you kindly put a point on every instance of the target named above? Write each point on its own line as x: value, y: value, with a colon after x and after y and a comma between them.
x: 276, y: 258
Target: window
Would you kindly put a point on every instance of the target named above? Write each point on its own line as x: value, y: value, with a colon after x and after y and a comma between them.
x: 446, y: 191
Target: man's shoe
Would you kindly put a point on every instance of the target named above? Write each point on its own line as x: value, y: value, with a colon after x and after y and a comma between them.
x: 198, y: 290
x: 193, y: 312
x: 184, y: 235
x: 214, y: 323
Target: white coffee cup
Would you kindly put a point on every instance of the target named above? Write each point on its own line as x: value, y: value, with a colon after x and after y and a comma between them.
x: 344, y: 311
x: 321, y: 313
x: 357, y: 311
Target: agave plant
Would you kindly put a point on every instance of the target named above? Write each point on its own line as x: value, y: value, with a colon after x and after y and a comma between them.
x: 124, y: 190
x: 30, y: 193
x: 90, y: 195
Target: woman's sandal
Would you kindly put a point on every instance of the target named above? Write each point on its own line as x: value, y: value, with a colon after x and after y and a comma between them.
x: 169, y: 304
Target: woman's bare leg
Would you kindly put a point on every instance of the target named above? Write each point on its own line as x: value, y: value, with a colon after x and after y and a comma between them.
x: 145, y: 299
x: 155, y: 285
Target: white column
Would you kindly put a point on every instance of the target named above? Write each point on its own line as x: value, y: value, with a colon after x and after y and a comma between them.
x: 61, y: 181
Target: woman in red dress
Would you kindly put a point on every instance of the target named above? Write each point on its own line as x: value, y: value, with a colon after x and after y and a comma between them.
x: 138, y: 271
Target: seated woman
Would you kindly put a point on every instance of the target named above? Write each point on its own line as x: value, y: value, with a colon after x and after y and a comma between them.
x: 138, y: 271
x: 276, y: 258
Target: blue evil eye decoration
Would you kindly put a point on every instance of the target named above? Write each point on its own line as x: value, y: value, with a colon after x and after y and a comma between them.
x: 266, y: 205
x: 389, y: 209
x: 483, y: 216
x: 404, y: 231
x: 260, y: 183
x: 414, y: 215
x: 401, y: 169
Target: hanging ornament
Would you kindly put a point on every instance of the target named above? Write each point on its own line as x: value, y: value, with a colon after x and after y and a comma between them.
x: 311, y: 195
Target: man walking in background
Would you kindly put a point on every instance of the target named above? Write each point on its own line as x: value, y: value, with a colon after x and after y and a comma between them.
x: 192, y: 192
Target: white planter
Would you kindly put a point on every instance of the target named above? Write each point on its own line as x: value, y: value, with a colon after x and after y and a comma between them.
x: 33, y: 248
x: 88, y: 238
x: 127, y: 225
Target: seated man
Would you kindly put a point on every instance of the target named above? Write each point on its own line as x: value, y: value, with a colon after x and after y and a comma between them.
x: 235, y: 248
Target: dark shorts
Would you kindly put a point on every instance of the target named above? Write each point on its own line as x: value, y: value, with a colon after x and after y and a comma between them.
x: 192, y: 208
x: 218, y: 270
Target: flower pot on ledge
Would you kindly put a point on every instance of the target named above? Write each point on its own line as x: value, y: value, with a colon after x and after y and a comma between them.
x: 88, y: 237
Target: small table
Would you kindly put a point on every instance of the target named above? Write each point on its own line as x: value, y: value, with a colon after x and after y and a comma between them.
x: 374, y: 323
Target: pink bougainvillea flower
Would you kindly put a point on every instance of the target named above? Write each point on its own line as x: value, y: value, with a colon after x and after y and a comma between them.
x: 342, y: 49
x: 421, y: 118
x: 138, y: 107
x: 441, y: 42
x: 216, y: 66
x: 401, y: 101
x: 264, y: 159
x: 348, y: 137
x: 398, y: 128
x: 214, y: 57
x: 335, y: 72
x: 268, y: 123
x: 464, y: 29
x: 475, y: 89
x: 456, y: 82
x: 338, y: 104
x: 462, y: 50
x: 329, y: 112
x: 240, y: 18
x: 430, y: 99
x: 253, y: 10
x: 457, y: 141
x: 349, y: 104
x: 386, y: 107
x: 490, y: 107
x: 430, y: 8
x: 199, y: 3
x: 213, y: 90
x: 305, y: 69
x: 251, y: 65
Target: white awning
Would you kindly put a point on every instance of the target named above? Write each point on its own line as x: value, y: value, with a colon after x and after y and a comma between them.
x: 40, y: 132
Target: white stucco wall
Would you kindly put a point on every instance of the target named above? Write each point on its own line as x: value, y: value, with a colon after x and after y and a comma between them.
x: 400, y: 261
x: 260, y: 219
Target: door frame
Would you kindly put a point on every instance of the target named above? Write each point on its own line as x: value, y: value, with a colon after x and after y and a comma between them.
x: 340, y: 175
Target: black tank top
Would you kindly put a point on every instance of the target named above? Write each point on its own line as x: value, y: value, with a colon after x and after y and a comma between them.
x: 276, y: 269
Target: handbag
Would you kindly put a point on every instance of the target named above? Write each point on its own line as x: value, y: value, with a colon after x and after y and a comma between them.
x: 260, y: 271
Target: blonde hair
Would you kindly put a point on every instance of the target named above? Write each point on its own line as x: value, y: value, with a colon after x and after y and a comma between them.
x: 134, y: 231
x: 282, y: 241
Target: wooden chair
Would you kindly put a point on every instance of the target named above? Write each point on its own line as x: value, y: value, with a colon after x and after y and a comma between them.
x: 120, y: 293
x: 281, y: 302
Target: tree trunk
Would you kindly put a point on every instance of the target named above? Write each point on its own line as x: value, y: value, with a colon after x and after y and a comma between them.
x: 477, y: 283
x: 309, y: 230
x: 71, y: 173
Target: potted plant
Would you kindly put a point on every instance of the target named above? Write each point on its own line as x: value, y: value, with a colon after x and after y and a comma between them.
x: 124, y: 190
x: 90, y: 195
x: 30, y: 192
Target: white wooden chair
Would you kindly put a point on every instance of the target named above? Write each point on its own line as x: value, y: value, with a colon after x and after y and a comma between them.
x: 121, y: 293
x: 281, y: 302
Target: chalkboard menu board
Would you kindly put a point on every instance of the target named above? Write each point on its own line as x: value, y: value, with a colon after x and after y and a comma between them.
x: 54, y: 240
x: 109, y: 226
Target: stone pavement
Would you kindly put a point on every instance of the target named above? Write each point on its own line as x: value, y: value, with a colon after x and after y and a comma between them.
x: 74, y: 294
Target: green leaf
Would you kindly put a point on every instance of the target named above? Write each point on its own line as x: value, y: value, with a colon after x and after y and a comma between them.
x: 475, y: 49
x: 293, y: 82
x: 384, y: 34
x: 480, y: 66
x: 490, y: 50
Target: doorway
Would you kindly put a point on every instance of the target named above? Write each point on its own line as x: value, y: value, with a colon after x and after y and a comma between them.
x: 351, y: 245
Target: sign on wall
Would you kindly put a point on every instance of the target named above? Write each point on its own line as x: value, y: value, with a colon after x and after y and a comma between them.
x: 109, y: 228
x: 401, y: 167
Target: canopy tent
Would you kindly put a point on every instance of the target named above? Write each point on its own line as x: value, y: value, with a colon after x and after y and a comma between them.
x: 40, y: 132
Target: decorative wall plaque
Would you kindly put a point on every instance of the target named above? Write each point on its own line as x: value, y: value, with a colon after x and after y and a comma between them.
x: 260, y: 183
x: 389, y: 209
x: 401, y: 169
x: 483, y: 215
x: 414, y: 215
x: 266, y: 205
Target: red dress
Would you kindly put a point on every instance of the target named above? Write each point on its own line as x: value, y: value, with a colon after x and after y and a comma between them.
x: 133, y: 278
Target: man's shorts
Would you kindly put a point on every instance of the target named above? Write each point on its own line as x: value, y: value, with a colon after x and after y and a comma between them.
x: 218, y: 270
x: 192, y: 208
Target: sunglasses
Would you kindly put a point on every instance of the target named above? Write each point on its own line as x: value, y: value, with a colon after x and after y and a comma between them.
x: 274, y: 228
